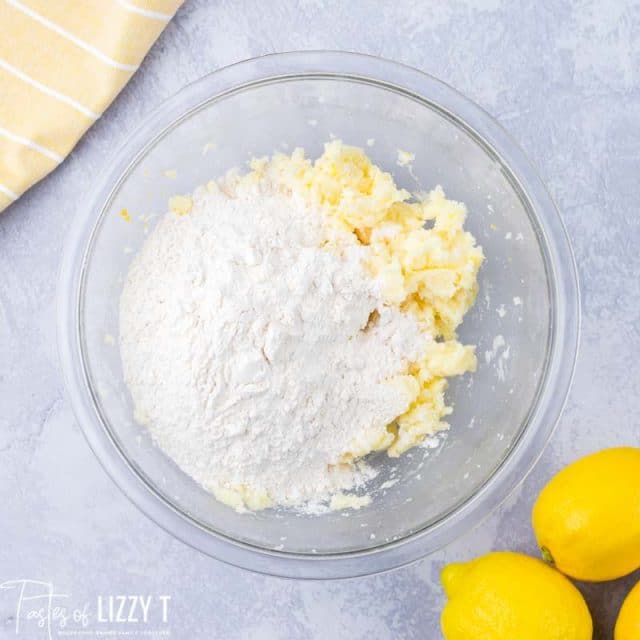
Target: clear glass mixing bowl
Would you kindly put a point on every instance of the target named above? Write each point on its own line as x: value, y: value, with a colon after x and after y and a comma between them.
x: 525, y: 321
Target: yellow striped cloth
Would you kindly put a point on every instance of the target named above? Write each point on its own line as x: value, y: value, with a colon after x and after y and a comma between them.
x: 62, y: 62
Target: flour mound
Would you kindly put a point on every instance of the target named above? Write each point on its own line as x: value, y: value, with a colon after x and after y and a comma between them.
x: 261, y: 361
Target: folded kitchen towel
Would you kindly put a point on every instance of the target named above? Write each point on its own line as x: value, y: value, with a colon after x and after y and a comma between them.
x: 62, y: 62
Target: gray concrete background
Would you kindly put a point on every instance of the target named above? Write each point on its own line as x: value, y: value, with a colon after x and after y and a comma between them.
x: 563, y: 77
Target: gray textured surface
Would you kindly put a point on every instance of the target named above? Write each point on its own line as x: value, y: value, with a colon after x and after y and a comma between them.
x: 563, y: 77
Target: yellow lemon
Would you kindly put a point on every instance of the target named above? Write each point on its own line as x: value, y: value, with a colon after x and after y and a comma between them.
x: 587, y: 519
x: 509, y: 596
x: 628, y: 624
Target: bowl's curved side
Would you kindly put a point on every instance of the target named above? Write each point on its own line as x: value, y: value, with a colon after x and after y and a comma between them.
x: 553, y: 390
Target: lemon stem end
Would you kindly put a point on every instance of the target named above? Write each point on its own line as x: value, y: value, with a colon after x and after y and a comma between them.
x: 547, y: 557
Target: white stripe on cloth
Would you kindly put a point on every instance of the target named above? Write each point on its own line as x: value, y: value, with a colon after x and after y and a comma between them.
x: 7, y: 192
x: 32, y: 145
x: 48, y: 90
x: 69, y: 36
x: 155, y: 15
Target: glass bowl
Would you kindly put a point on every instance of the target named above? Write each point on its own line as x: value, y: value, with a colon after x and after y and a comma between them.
x: 525, y: 322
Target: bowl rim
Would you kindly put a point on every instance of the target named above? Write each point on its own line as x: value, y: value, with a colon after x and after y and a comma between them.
x: 553, y: 390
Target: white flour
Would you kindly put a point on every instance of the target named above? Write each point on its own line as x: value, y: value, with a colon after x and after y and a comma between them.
x: 244, y: 346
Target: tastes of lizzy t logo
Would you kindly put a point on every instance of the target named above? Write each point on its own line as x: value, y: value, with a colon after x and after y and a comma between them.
x: 43, y: 612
